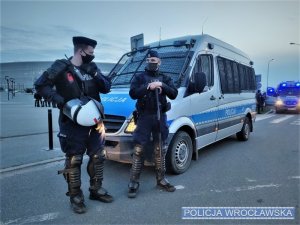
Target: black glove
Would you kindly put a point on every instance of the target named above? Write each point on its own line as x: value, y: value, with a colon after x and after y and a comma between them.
x: 59, y: 101
x: 90, y: 68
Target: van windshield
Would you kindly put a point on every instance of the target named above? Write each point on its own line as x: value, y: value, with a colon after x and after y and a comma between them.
x: 289, y: 91
x: 174, y: 61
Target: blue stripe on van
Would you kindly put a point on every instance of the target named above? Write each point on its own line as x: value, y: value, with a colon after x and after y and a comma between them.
x: 219, y: 114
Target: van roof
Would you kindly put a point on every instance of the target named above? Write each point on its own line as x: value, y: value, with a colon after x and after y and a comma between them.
x: 200, y: 40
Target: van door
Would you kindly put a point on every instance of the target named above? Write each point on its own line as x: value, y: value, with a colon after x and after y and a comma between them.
x: 204, y: 105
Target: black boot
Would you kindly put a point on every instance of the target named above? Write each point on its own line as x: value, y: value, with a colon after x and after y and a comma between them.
x: 99, y: 193
x: 95, y: 171
x: 160, y: 168
x: 77, y: 203
x: 133, y: 188
x: 165, y: 185
x: 135, y: 172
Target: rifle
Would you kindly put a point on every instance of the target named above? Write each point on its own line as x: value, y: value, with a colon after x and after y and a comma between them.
x: 159, y: 144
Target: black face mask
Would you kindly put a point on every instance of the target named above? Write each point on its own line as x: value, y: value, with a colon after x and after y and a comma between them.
x: 152, y: 66
x: 87, y: 58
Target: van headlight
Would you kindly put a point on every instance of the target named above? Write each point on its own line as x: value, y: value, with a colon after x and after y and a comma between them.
x: 130, y: 127
x: 279, y: 102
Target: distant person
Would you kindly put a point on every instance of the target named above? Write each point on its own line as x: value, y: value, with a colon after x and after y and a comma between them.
x: 73, y: 79
x: 43, y: 101
x: 258, y: 97
x: 263, y: 101
x: 48, y: 103
x: 54, y: 105
x: 37, y: 99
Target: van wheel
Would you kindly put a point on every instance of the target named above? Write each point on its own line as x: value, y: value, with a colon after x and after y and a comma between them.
x: 244, y: 134
x: 179, y: 154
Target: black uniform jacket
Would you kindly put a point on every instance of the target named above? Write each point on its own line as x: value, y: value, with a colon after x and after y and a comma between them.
x: 71, y: 82
x: 146, y: 101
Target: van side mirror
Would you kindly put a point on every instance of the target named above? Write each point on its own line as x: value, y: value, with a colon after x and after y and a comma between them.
x: 199, y: 82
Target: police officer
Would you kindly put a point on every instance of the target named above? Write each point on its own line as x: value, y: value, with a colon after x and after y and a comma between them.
x: 259, y: 102
x: 143, y: 89
x: 37, y: 98
x: 73, y: 78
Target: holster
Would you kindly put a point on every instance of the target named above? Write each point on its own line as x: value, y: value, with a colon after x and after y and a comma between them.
x: 166, y: 107
x: 135, y: 115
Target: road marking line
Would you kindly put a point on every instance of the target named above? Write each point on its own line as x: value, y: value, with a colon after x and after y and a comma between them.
x: 294, y: 177
x: 250, y: 180
x: 33, y: 219
x: 179, y: 187
x: 263, y: 117
x: 248, y: 188
x: 282, y: 119
x: 296, y: 122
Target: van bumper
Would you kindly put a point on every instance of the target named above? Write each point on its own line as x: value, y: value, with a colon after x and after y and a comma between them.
x: 120, y: 148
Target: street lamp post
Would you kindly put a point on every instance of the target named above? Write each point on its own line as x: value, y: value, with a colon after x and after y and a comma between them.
x: 7, y: 81
x: 268, y: 72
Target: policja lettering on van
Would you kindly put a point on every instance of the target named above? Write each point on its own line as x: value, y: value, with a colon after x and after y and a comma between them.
x: 113, y: 99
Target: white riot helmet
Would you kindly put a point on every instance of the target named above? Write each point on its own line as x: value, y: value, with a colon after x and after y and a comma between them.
x: 85, y: 111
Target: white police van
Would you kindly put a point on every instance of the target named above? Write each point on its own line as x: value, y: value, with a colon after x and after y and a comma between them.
x: 199, y: 116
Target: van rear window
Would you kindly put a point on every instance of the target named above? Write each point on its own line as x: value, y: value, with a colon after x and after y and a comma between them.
x: 235, y: 77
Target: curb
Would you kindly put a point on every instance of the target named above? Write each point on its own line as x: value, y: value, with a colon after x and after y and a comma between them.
x: 13, y: 168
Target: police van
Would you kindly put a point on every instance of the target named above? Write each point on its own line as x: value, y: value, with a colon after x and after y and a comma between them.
x: 288, y: 97
x: 216, y: 97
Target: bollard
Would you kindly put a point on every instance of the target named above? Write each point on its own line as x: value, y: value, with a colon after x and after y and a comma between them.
x: 50, y: 129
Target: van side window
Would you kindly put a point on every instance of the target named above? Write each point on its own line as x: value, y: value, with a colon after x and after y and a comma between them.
x: 242, y: 75
x: 252, y: 78
x: 229, y: 75
x: 205, y: 64
x: 222, y: 74
x: 235, y: 77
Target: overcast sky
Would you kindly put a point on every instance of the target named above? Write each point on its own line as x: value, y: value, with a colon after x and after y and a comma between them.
x: 43, y: 30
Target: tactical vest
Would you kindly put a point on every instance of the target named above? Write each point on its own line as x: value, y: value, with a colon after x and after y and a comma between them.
x: 71, y: 84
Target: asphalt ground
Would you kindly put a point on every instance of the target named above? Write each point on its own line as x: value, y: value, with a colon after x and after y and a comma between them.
x: 24, y: 136
x: 262, y: 172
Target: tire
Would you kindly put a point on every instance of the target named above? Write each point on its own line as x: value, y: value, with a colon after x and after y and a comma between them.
x: 180, y: 152
x: 244, y: 134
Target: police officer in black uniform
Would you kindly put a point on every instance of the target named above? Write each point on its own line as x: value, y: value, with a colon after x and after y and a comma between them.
x: 259, y: 102
x: 73, y: 78
x: 143, y: 89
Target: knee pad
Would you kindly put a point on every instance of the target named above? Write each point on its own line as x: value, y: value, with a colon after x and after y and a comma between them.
x: 138, y: 150
x: 98, y: 157
x: 74, y: 161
